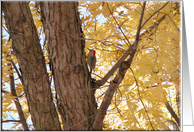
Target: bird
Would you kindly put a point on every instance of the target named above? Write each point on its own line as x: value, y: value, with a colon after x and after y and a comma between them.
x: 91, y: 59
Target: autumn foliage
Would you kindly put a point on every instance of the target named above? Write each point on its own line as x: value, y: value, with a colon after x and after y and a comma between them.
x: 147, y: 91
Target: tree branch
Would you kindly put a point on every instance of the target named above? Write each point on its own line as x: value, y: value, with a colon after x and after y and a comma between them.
x: 4, y: 91
x: 142, y: 100
x: 115, y: 83
x: 152, y: 27
x: 172, y: 113
x: 17, y: 103
x: 17, y: 71
x: 128, y: 43
x: 6, y: 121
x: 154, y: 14
x: 129, y: 51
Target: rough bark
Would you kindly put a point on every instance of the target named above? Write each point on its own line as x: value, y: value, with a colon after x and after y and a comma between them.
x: 31, y: 61
x: 76, y: 101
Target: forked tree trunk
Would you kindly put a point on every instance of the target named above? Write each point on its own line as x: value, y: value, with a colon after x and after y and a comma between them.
x: 62, y: 27
x: 26, y: 47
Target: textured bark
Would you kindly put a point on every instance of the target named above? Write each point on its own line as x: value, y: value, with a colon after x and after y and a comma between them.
x: 31, y: 61
x: 76, y: 101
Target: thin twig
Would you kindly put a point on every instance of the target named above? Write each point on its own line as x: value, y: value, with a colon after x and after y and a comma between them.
x: 17, y: 71
x: 139, y: 25
x: 154, y: 49
x: 154, y: 14
x: 6, y: 30
x: 115, y: 103
x: 118, y: 25
x: 171, y: 20
x: 10, y: 121
x: 141, y: 99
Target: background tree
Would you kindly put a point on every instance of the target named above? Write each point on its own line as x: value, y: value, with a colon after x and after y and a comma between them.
x: 137, y: 75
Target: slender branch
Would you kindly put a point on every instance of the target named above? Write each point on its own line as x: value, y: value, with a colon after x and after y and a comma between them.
x: 17, y: 71
x: 152, y: 27
x: 4, y: 91
x: 139, y: 25
x: 95, y: 40
x: 154, y: 14
x: 6, y: 121
x: 115, y: 103
x: 118, y: 25
x: 141, y: 99
x: 6, y: 30
x: 17, y: 103
x: 154, y: 49
x: 171, y: 20
x: 172, y: 113
x: 124, y: 22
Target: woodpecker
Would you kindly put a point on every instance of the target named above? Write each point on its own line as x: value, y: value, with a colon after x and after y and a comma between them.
x: 91, y: 58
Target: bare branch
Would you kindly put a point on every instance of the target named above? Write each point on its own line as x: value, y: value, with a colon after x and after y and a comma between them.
x: 128, y: 43
x: 17, y: 103
x: 141, y: 99
x: 155, y: 25
x: 6, y: 121
x: 171, y: 21
x: 172, y: 113
x: 139, y: 26
x: 4, y: 91
x: 17, y: 71
x: 154, y: 14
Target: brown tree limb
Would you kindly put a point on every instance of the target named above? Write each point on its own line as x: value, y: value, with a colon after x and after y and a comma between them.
x: 97, y: 125
x: 128, y: 43
x: 154, y: 14
x: 4, y: 91
x: 17, y: 71
x: 152, y: 27
x: 171, y: 21
x: 17, y: 102
x: 170, y: 109
x: 6, y: 121
x: 129, y: 51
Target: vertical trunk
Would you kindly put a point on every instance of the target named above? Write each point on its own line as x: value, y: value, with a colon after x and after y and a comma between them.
x: 27, y: 49
x: 62, y: 28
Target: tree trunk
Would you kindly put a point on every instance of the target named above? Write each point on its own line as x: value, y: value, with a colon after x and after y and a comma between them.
x: 76, y: 101
x: 31, y: 61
